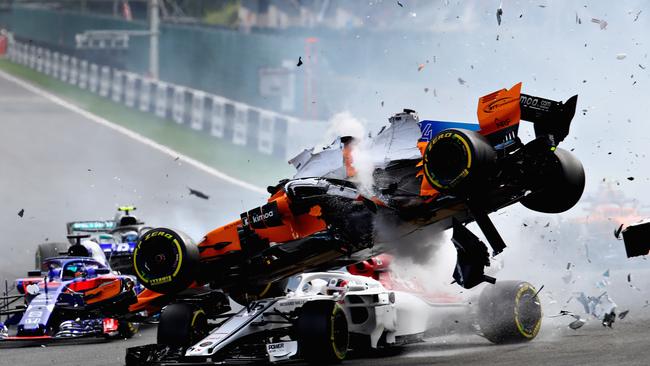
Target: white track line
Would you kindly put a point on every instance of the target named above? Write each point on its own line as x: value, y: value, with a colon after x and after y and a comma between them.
x: 126, y: 132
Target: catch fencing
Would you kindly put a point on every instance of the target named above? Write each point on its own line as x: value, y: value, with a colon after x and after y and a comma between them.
x: 262, y: 130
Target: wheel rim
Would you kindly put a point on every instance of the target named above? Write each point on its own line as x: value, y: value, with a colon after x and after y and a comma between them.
x: 339, y: 333
x: 528, y: 312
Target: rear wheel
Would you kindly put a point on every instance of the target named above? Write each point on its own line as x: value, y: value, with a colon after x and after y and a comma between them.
x: 48, y: 250
x: 456, y: 159
x: 509, y: 312
x: 322, y: 332
x: 182, y: 325
x: 562, y: 188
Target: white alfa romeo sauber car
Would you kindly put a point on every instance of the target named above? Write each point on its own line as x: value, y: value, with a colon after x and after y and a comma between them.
x: 326, y: 314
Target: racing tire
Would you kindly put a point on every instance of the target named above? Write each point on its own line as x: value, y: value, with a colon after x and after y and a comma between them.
x: 322, y: 330
x: 48, y: 250
x: 165, y: 260
x: 509, y: 312
x: 127, y: 330
x: 181, y: 325
x: 455, y: 160
x: 563, y: 188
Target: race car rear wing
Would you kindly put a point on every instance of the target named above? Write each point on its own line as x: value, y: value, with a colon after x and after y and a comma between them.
x: 90, y: 226
x: 499, y: 114
x: 549, y: 117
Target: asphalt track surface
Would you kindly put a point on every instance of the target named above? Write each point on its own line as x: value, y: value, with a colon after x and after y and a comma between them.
x: 58, y: 166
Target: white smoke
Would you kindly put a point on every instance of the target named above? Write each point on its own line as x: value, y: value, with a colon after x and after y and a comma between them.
x: 345, y: 124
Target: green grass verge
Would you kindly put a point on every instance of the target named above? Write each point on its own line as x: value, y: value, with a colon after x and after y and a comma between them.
x: 237, y: 161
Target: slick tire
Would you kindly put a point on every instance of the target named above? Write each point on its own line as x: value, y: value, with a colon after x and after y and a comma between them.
x: 455, y: 160
x: 48, y: 250
x: 509, y: 312
x: 563, y: 188
x: 181, y: 325
x: 322, y: 329
x: 165, y: 261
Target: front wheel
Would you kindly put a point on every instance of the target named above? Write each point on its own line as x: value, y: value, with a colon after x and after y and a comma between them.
x: 509, y: 312
x: 182, y: 325
x: 322, y: 329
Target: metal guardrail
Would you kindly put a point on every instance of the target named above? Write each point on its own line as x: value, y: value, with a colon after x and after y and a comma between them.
x: 265, y: 131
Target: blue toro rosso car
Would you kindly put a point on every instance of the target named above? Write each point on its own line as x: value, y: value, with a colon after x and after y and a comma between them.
x: 70, y: 296
x: 116, y: 238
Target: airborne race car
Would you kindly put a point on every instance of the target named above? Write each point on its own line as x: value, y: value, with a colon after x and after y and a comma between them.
x: 428, y: 176
x: 116, y: 238
x: 71, y: 296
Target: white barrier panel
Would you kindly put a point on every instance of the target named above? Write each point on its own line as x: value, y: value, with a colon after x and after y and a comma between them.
x: 25, y: 54
x: 129, y: 89
x: 47, y: 62
x: 178, y: 104
x: 39, y: 59
x: 32, y: 57
x: 74, y: 71
x: 104, y: 81
x: 198, y: 102
x: 12, y: 51
x: 63, y: 68
x: 83, y: 74
x: 93, y: 78
x: 161, y: 99
x: 145, y: 94
x: 217, y: 117
x: 240, y: 123
x: 116, y: 95
x: 56, y: 64
x: 265, y: 133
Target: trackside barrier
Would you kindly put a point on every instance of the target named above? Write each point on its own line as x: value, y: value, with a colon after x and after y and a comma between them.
x: 104, y: 81
x: 198, y: 98
x: 73, y: 71
x: 39, y: 59
x: 262, y: 130
x: 178, y: 104
x: 93, y: 78
x: 64, y: 68
x: 145, y: 94
x: 47, y: 62
x: 129, y: 89
x: 83, y: 74
x: 56, y: 63
x: 116, y: 94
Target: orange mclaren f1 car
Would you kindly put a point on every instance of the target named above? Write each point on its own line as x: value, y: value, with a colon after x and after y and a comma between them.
x: 428, y: 176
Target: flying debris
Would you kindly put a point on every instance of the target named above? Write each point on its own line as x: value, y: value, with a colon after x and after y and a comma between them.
x: 621, y: 56
x: 623, y: 314
x: 600, y: 22
x: 577, y: 323
x: 630, y: 178
x: 299, y: 61
x: 617, y: 235
x: 609, y: 319
x: 420, y: 67
x: 21, y: 212
x: 400, y: 4
x: 578, y: 20
x: 629, y: 277
x: 499, y: 14
x: 199, y: 194
x: 461, y: 81
x: 636, y: 17
x: 642, y: 67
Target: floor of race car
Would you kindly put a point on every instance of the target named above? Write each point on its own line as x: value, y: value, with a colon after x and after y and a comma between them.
x: 625, y: 344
